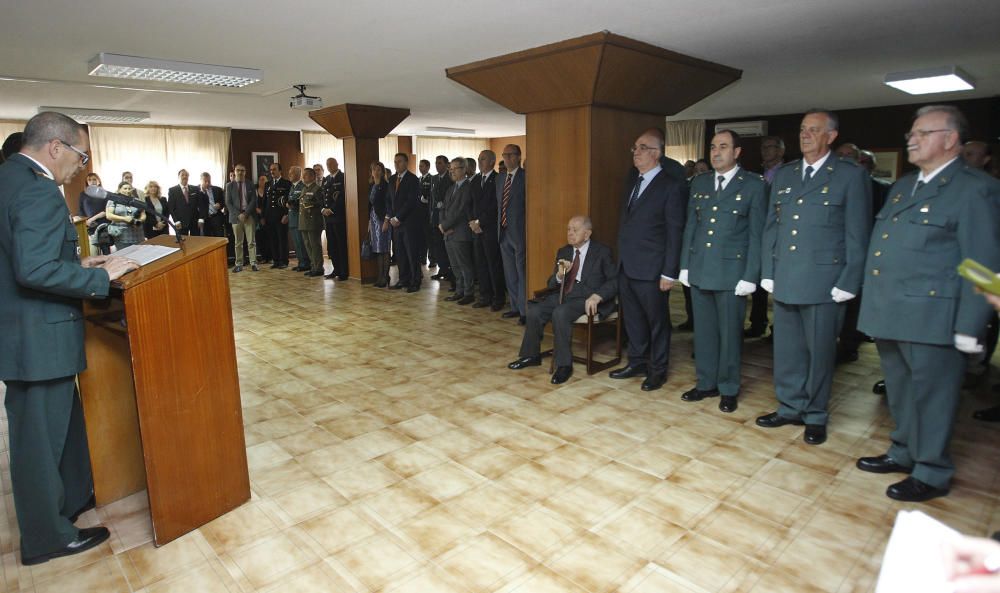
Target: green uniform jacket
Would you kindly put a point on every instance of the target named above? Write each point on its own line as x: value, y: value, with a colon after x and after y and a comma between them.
x: 816, y: 233
x: 310, y: 208
x: 41, y: 280
x: 293, y: 204
x: 722, y: 236
x: 912, y: 291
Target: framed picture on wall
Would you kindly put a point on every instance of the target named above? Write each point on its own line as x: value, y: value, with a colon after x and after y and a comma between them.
x: 262, y: 163
x: 888, y: 163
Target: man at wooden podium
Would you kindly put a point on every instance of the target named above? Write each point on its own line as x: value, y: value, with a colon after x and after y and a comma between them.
x: 42, y: 282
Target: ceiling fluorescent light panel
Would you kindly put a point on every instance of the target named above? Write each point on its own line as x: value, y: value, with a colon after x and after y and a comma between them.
x: 99, y: 115
x: 154, y: 70
x: 931, y: 80
x: 444, y: 130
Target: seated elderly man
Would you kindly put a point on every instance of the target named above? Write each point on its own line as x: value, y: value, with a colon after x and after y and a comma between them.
x: 584, y: 282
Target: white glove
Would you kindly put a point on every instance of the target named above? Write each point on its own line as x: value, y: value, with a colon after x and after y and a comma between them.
x: 841, y: 296
x: 683, y: 278
x: 967, y: 344
x: 768, y: 285
x: 743, y: 288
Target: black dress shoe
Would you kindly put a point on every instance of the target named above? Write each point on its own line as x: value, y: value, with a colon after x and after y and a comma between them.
x: 342, y: 278
x: 774, y: 420
x: 754, y: 332
x: 654, y: 381
x: 524, y: 362
x: 454, y: 297
x: 396, y: 286
x: 299, y: 269
x: 562, y: 375
x: 496, y: 307
x: 627, y: 372
x: 686, y: 326
x: 330, y: 276
x: 90, y: 504
x: 88, y: 538
x: 846, y: 356
x: 510, y: 314
x: 883, y: 464
x: 728, y: 403
x: 436, y: 277
x: 466, y: 300
x: 380, y: 285
x: 480, y: 305
x: 988, y: 414
x: 522, y: 320
x: 879, y: 387
x: 412, y: 288
x: 815, y: 434
x: 316, y: 274
x: 913, y: 490
x: 696, y: 395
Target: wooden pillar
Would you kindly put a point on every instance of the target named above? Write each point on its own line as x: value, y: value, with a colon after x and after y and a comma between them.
x: 586, y: 101
x: 360, y: 126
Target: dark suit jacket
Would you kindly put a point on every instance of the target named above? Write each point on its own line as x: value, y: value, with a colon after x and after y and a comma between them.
x: 457, y: 212
x: 218, y: 196
x: 151, y: 220
x: 404, y: 202
x: 650, y: 234
x: 515, y: 209
x: 41, y: 280
x: 600, y: 275
x: 484, y: 201
x: 333, y: 195
x: 441, y: 184
x: 187, y: 212
x: 275, y: 204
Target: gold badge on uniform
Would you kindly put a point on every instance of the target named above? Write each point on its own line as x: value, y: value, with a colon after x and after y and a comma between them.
x: 739, y: 197
x: 825, y: 190
x: 925, y: 208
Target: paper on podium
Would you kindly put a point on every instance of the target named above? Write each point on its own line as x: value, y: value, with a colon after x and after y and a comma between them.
x: 144, y: 254
x: 914, y: 557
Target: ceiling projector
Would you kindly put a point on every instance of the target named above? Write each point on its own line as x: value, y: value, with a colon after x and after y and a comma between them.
x: 304, y: 101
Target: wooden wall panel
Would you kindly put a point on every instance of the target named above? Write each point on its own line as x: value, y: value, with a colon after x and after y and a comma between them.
x: 497, y: 144
x: 358, y: 156
x: 244, y: 142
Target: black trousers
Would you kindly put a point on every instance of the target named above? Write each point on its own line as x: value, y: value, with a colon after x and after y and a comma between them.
x: 49, y: 461
x: 647, y: 322
x: 562, y: 317
x: 409, y: 247
x: 435, y: 244
x: 336, y: 245
x: 758, y: 309
x: 278, y: 240
x: 215, y: 225
x: 489, y: 268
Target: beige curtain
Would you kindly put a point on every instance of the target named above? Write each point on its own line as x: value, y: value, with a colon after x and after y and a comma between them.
x: 158, y: 153
x: 319, y: 146
x: 686, y: 140
x: 9, y: 127
x: 428, y: 147
x: 387, y: 149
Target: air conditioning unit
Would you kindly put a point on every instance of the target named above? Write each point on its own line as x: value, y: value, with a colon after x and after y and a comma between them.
x: 746, y: 129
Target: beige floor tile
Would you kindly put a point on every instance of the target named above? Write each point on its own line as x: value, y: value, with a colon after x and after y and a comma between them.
x: 154, y: 564
x: 105, y: 575
x: 204, y: 578
x: 485, y: 504
x: 237, y: 528
x: 703, y: 562
x: 544, y: 580
x: 793, y: 478
x: 703, y: 478
x: 536, y: 532
x: 639, y: 532
x: 435, y: 531
x: 271, y: 558
x: 362, y: 479
x: 486, y: 563
x: 376, y: 560
x: 428, y: 580
x: 307, y: 441
x: 739, y: 530
x: 446, y: 481
x: 309, y: 499
x: 657, y: 582
x: 530, y: 443
x: 676, y: 503
x: 317, y: 578
x: 339, y: 528
x: 595, y: 564
x: 400, y: 501
x: 491, y: 461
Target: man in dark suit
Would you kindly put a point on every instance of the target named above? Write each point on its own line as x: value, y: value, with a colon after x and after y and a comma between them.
x: 408, y: 230
x: 42, y: 283
x: 442, y: 181
x: 925, y: 319
x: 458, y: 236
x: 511, y: 216
x: 649, y: 244
x: 585, y: 283
x: 426, y: 202
x: 274, y: 215
x: 818, y: 222
x: 335, y: 220
x: 241, y: 203
x: 720, y: 261
x: 215, y: 203
x: 188, y: 206
x: 489, y: 265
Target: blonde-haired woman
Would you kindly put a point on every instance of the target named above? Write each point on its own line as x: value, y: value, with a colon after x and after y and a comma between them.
x: 154, y: 225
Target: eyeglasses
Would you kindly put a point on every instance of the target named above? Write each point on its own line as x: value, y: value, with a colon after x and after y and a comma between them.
x: 923, y: 133
x: 507, y: 154
x: 84, y: 157
x: 636, y: 149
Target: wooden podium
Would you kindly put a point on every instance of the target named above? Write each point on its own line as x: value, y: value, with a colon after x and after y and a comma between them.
x: 161, y: 395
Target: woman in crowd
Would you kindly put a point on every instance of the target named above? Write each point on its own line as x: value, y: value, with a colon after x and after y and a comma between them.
x: 154, y: 226
x: 378, y: 226
x: 126, y: 221
x: 92, y: 210
x: 263, y: 244
x: 127, y: 178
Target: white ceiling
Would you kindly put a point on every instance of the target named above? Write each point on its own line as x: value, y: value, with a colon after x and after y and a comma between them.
x: 794, y: 54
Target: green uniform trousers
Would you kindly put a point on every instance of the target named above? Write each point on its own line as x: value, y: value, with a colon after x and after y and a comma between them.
x: 805, y: 353
x: 314, y: 247
x: 718, y: 339
x: 923, y: 382
x: 49, y: 461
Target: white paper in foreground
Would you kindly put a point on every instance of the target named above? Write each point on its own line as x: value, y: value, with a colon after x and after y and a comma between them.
x: 144, y: 254
x: 914, y: 557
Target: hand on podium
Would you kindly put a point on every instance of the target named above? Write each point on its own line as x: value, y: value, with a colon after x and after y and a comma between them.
x: 116, y: 267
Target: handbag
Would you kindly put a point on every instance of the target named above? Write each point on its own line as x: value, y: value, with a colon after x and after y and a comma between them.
x: 366, y: 249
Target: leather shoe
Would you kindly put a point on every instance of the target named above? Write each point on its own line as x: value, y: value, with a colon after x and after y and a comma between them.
x: 883, y: 464
x: 90, y: 504
x: 437, y: 277
x: 815, y: 434
x: 774, y: 420
x: 313, y: 274
x: 846, y: 356
x: 496, y: 307
x: 728, y: 403
x: 696, y: 395
x: 913, y: 490
x: 988, y: 414
x: 454, y: 297
x: 396, y: 286
x: 88, y: 538
x: 524, y: 362
x: 654, y: 381
x: 879, y: 387
x: 480, y: 305
x: 466, y: 300
x: 754, y: 332
x: 562, y: 375
x: 510, y: 314
x: 330, y: 276
x: 522, y: 320
x: 412, y: 288
x: 627, y: 372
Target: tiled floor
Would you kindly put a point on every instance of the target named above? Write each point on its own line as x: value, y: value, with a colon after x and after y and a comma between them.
x: 390, y: 449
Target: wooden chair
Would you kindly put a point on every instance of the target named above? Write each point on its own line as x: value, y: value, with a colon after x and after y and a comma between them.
x: 591, y: 322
